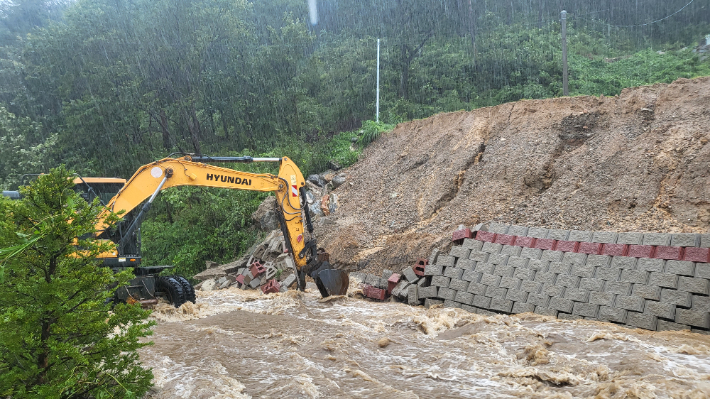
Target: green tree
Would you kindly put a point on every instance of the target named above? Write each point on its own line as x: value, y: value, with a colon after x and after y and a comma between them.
x: 58, y: 335
x: 23, y: 149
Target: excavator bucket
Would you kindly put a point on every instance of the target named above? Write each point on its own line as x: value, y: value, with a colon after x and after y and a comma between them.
x: 330, y: 281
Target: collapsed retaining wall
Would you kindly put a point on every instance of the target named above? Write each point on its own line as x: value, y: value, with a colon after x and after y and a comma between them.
x: 646, y: 280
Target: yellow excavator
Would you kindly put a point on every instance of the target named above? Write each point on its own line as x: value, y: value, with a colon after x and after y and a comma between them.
x: 193, y: 170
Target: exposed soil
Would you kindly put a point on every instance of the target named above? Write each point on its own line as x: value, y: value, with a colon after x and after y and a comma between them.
x: 634, y: 162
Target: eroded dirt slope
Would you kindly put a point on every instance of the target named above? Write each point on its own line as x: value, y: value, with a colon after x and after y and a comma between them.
x: 635, y: 162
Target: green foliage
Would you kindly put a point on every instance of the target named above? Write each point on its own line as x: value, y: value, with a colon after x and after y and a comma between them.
x: 195, y: 224
x: 23, y: 150
x: 598, y: 75
x: 58, y: 335
x: 371, y: 130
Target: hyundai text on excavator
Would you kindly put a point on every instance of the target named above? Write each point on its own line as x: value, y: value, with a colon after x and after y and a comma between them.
x: 191, y: 170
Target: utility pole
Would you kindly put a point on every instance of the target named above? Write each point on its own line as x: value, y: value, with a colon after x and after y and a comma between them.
x: 565, y: 89
x: 377, y: 102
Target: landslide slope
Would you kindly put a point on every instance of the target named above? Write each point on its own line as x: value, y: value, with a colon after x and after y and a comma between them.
x: 639, y: 161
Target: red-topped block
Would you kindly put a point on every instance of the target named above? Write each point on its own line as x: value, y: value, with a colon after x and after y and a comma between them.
x: 257, y: 269
x: 641, y: 251
x: 419, y: 267
x: 525, y: 242
x: 505, y: 239
x: 459, y: 235
x: 567, y: 246
x: 271, y: 287
x: 374, y: 293
x: 240, y: 279
x: 589, y: 248
x: 669, y: 253
x: 392, y: 282
x: 485, y: 236
x: 701, y: 255
x: 545, y: 243
x: 615, y: 249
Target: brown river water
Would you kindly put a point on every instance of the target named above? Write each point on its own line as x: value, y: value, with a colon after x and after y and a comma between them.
x: 241, y: 344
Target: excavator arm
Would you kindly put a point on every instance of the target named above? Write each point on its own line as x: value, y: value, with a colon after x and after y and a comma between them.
x: 189, y: 170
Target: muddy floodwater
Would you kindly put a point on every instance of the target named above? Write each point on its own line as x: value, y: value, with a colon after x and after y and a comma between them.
x: 240, y: 344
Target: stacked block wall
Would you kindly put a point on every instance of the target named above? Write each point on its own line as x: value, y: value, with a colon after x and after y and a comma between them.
x: 651, y: 281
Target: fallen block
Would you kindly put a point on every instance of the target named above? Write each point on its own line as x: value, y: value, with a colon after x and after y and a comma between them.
x: 410, y: 275
x: 373, y: 292
x: 420, y: 266
x: 271, y: 286
x: 392, y: 282
x: 401, y: 290
x: 240, y: 280
x: 257, y: 269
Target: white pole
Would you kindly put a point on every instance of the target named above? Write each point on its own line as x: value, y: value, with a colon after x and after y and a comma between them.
x: 377, y: 106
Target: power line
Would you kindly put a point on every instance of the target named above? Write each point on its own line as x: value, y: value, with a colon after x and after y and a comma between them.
x: 653, y: 22
x: 658, y: 20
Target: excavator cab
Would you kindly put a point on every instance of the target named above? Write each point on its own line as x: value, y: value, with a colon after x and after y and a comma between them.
x: 104, y: 188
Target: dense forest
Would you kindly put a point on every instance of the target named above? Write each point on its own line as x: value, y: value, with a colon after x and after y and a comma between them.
x: 106, y: 86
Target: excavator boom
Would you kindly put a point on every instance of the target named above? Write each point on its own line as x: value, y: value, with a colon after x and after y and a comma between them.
x: 288, y: 186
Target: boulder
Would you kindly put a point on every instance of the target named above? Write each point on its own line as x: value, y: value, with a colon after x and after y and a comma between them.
x: 333, y: 164
x: 333, y: 203
x: 318, y: 180
x: 265, y: 216
x: 316, y: 209
x: 310, y: 197
x: 208, y: 285
x: 338, y: 180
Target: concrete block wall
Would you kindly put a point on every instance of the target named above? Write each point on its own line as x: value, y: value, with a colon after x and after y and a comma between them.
x: 652, y: 281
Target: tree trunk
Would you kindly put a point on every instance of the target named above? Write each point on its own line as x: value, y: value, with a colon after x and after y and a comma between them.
x: 404, y: 74
x: 43, y: 357
x: 472, y: 24
x: 224, y: 124
x: 164, y: 128
x: 194, y: 126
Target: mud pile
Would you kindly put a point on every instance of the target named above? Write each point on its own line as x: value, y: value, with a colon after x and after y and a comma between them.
x: 635, y: 162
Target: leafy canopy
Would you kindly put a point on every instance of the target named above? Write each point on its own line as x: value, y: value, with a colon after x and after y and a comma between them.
x: 58, y: 335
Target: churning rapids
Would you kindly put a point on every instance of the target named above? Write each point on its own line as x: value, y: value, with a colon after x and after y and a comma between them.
x: 240, y: 344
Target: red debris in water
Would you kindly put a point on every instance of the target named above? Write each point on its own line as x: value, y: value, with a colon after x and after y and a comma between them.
x: 270, y: 287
